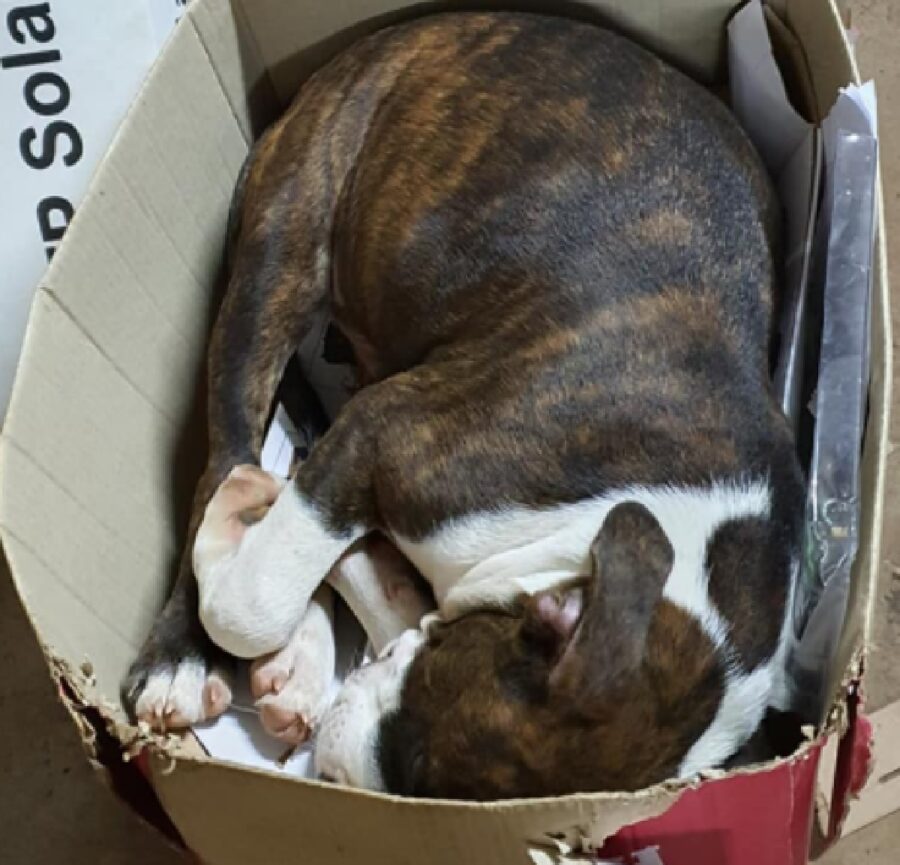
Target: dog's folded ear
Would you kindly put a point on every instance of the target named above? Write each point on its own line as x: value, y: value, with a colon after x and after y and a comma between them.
x: 632, y: 558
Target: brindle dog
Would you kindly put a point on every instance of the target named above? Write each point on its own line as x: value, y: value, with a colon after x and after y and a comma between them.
x: 554, y: 257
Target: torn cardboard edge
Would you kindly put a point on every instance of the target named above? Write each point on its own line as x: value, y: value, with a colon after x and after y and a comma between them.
x: 95, y: 716
x: 874, y: 792
x: 557, y: 851
x: 110, y: 744
x: 561, y: 854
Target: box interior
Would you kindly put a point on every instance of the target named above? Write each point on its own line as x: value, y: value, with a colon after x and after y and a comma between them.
x: 105, y: 432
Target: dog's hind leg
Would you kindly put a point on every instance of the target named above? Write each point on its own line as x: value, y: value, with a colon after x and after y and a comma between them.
x: 279, y: 280
x: 252, y: 597
x: 280, y: 243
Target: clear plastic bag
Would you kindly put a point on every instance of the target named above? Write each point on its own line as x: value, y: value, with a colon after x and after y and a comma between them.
x: 839, y: 407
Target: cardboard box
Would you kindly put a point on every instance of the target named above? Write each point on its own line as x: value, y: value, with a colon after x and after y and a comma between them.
x: 103, y: 442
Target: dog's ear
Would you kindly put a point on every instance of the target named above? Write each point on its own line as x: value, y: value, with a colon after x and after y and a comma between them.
x: 632, y: 558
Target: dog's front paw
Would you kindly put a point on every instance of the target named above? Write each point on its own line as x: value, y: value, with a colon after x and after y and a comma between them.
x: 291, y: 686
x: 172, y: 695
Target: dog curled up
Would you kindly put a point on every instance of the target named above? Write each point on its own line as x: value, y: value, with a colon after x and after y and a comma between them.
x: 555, y: 259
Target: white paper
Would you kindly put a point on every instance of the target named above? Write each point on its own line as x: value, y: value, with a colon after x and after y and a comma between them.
x: 280, y: 444
x: 69, y: 69
x: 792, y: 151
x: 334, y: 383
x: 758, y: 96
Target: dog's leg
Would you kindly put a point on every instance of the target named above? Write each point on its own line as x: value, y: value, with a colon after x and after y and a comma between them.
x: 253, y: 593
x: 180, y: 676
x: 252, y: 599
x: 291, y: 685
x: 382, y: 588
x: 386, y: 594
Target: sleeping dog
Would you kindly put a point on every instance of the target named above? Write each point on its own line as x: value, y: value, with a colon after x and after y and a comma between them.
x: 554, y: 257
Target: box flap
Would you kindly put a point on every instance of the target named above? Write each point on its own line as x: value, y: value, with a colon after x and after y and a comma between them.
x: 295, y: 38
x: 87, y: 542
x: 238, y: 63
x: 142, y: 255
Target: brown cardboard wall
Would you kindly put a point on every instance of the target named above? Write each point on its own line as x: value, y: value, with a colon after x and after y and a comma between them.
x: 294, y: 38
x: 347, y: 826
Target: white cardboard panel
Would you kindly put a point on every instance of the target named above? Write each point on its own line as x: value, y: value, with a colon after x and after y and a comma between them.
x: 96, y: 564
x: 91, y: 500
x: 70, y: 628
x: 93, y: 433
x: 235, y: 57
x: 139, y: 271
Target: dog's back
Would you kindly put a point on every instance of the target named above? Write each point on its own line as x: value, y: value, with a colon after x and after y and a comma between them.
x: 590, y: 253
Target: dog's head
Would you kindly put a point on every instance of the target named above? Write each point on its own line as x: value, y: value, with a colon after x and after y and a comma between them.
x: 606, y: 685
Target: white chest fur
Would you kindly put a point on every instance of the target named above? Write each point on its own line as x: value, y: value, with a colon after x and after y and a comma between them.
x: 499, y: 554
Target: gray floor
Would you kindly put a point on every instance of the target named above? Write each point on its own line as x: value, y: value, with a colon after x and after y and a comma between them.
x: 53, y: 811
x: 53, y: 808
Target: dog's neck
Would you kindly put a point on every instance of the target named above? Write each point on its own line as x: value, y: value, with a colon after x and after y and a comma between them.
x: 488, y: 559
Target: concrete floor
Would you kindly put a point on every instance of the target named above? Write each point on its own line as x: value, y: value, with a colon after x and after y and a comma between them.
x: 54, y: 812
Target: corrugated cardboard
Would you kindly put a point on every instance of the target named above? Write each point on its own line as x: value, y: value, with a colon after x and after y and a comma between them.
x: 99, y: 453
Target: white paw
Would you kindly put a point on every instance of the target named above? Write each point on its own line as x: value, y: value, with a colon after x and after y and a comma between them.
x: 292, y: 686
x: 241, y: 500
x: 260, y: 552
x: 173, y: 697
